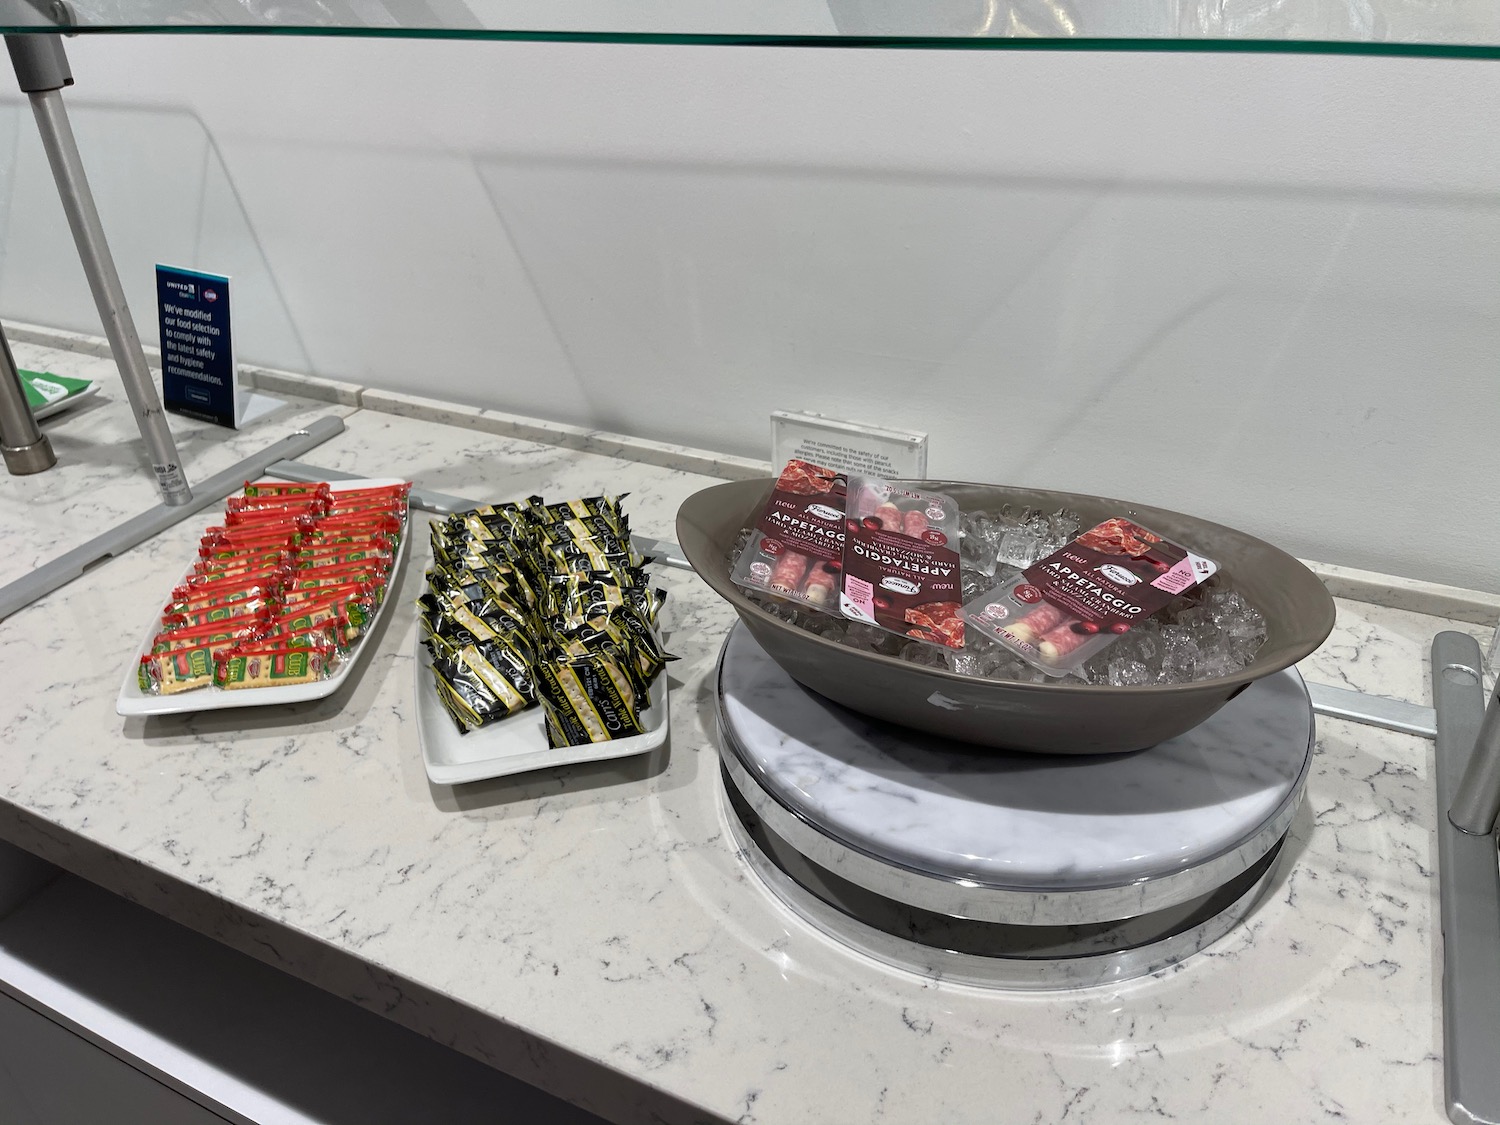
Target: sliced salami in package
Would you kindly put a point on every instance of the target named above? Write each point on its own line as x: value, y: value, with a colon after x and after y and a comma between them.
x: 798, y: 543
x: 1062, y: 610
x: 901, y: 567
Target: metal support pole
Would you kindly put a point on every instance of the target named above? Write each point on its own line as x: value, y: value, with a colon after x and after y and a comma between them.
x: 1469, y: 891
x: 42, y: 71
x: 25, y: 447
x: 1477, y: 801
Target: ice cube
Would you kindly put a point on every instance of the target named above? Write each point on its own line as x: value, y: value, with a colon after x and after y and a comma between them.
x: 862, y: 636
x: 1007, y: 667
x: 1065, y: 525
x: 1180, y: 654
x: 1019, y: 547
x: 973, y: 583
x: 966, y: 663
x: 1191, y: 616
x: 981, y: 541
x: 741, y: 541
x: 1126, y: 672
x: 824, y: 624
x: 1216, y: 664
x: 1226, y: 605
x: 919, y: 652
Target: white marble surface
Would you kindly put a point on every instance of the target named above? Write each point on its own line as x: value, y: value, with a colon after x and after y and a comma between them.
x: 1017, y: 820
x: 103, y: 475
x: 590, y: 929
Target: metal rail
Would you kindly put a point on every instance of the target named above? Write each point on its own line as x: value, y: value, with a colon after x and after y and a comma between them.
x: 120, y: 538
x: 1469, y: 886
x: 660, y: 551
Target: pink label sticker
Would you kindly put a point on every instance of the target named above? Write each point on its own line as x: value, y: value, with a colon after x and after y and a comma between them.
x: 860, y: 595
x: 1178, y: 579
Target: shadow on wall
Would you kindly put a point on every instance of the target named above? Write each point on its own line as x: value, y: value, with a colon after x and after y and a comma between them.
x: 165, y: 195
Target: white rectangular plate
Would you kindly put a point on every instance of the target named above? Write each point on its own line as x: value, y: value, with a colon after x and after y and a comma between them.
x: 516, y: 744
x: 135, y: 702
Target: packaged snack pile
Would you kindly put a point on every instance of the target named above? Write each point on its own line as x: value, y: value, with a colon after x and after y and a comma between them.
x: 1207, y: 630
x: 534, y: 603
x: 281, y: 591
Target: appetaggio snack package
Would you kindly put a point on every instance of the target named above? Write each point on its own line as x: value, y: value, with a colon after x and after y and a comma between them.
x: 797, y: 548
x: 900, y: 565
x: 1062, y: 610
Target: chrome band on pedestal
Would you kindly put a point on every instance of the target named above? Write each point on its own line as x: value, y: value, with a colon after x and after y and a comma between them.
x: 805, y: 797
x: 985, y: 902
x: 1034, y: 958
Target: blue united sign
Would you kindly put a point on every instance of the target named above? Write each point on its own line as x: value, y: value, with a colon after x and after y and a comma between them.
x: 197, y: 349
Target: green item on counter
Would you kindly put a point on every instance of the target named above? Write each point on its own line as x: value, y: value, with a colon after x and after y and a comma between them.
x: 47, y: 393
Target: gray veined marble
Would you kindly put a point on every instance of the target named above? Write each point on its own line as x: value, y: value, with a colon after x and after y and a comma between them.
x: 596, y: 931
x: 1014, y: 838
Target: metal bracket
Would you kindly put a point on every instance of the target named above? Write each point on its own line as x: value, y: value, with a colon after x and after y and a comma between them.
x: 660, y: 551
x: 1373, y: 710
x: 40, y: 62
x: 120, y: 538
x: 1469, y: 886
x: 424, y: 499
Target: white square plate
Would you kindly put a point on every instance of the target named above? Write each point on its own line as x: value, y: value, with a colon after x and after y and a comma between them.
x: 516, y: 744
x: 135, y: 702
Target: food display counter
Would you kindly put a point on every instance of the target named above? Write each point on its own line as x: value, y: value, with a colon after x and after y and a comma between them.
x: 596, y: 929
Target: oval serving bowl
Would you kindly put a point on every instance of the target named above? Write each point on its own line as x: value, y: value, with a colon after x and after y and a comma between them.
x: 1062, y: 717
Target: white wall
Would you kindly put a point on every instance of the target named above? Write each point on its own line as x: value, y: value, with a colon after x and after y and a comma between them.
x: 1261, y: 289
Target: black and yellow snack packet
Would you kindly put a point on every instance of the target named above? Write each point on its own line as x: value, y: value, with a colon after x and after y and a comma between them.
x: 588, y: 698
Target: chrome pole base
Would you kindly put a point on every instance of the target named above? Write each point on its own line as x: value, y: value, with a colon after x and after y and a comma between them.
x: 23, y: 460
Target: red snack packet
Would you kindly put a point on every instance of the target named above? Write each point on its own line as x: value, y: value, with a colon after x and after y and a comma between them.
x: 901, y: 568
x: 246, y: 539
x: 372, y: 573
x: 296, y: 600
x: 252, y: 613
x: 194, y: 600
x: 204, y: 580
x: 273, y: 488
x: 311, y: 502
x: 192, y: 636
x: 1082, y: 598
x: 228, y: 556
x: 332, y: 630
x: 396, y: 493
x: 797, y: 548
x: 270, y: 667
x: 337, y: 553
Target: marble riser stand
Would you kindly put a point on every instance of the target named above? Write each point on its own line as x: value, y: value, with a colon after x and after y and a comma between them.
x: 1014, y: 870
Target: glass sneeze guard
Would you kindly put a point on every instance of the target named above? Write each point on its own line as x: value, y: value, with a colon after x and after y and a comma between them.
x: 1462, y: 28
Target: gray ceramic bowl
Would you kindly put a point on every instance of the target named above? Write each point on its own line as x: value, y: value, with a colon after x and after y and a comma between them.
x: 1066, y: 717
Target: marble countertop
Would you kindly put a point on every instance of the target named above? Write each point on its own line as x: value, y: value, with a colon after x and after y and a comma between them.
x: 591, y: 930
x: 103, y: 475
